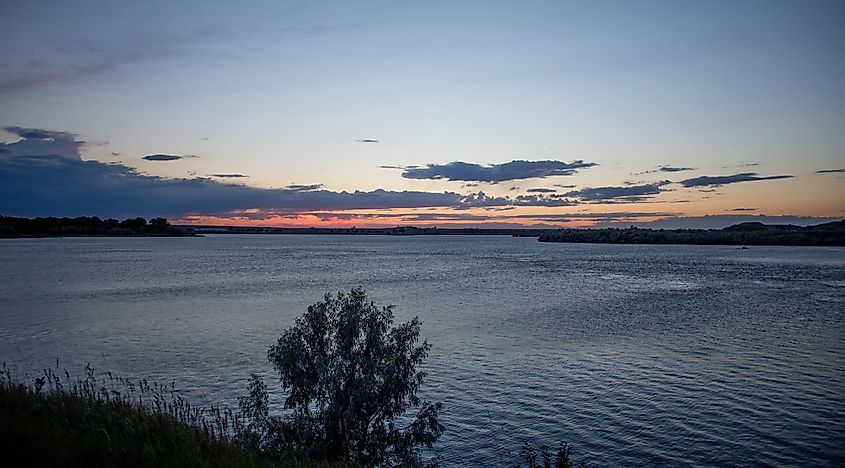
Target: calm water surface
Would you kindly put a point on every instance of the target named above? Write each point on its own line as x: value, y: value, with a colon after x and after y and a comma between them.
x: 637, y: 355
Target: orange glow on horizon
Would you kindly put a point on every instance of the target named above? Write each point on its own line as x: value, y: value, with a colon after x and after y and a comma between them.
x: 307, y: 220
x: 417, y: 218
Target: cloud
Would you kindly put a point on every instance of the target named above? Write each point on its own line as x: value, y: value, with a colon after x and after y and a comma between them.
x: 675, y: 169
x: 723, y: 221
x: 387, y: 166
x: 38, y: 141
x: 541, y: 190
x: 730, y: 179
x: 39, y: 133
x: 452, y: 216
x: 228, y: 176
x: 50, y: 185
x: 629, y: 193
x: 540, y: 200
x: 665, y: 169
x: 829, y: 171
x: 304, y: 188
x: 163, y: 157
x: 513, y: 170
x: 486, y: 220
x: 598, y: 218
x: 565, y: 186
x: 367, y: 140
x: 743, y: 209
x: 412, y: 217
x: 84, y: 60
x: 43, y: 185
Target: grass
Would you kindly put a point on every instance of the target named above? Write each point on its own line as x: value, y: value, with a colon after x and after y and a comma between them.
x: 115, y: 422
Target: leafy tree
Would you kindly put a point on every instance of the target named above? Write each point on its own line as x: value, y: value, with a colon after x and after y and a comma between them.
x: 134, y: 224
x: 158, y: 225
x: 350, y: 377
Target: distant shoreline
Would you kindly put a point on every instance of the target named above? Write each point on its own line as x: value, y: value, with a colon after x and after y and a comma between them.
x: 391, y: 231
x: 87, y: 226
x: 69, y: 236
x: 827, y: 234
x: 751, y: 233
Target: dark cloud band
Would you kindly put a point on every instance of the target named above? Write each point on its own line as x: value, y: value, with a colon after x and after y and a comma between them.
x: 39, y: 141
x: 730, y: 179
x: 513, y: 170
x: 40, y: 185
x: 627, y: 193
x: 162, y: 157
x: 39, y: 133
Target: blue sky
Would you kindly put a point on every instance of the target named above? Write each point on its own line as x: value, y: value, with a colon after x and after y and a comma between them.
x: 281, y: 93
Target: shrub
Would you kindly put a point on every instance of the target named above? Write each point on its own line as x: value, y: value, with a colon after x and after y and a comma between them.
x: 95, y: 421
x: 350, y: 377
x: 562, y: 459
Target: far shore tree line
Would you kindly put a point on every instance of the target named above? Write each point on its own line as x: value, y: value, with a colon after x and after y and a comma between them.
x: 86, y: 226
x: 827, y: 234
x: 748, y: 233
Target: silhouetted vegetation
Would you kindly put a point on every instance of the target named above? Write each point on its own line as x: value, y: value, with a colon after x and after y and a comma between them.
x: 385, y: 231
x: 828, y: 234
x: 350, y: 377
x: 87, y: 226
x: 562, y: 458
x: 110, y: 421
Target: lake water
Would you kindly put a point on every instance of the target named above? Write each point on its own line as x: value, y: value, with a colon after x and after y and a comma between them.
x: 636, y: 355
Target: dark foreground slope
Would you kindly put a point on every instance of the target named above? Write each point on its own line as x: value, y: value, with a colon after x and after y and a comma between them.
x: 66, y: 430
x: 828, y: 234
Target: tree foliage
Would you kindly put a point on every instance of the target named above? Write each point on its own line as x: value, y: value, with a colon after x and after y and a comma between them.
x: 562, y: 458
x: 87, y: 226
x: 350, y: 377
x: 739, y: 234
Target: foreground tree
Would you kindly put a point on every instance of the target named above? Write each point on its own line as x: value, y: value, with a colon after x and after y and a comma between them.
x: 350, y: 377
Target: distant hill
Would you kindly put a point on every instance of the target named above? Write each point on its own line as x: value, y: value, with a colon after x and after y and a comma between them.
x: 751, y: 233
x: 760, y: 227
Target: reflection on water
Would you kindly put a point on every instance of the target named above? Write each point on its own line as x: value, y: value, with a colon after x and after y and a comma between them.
x: 637, y: 355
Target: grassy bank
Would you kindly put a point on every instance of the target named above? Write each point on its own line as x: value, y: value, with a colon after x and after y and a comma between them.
x: 115, y: 422
x: 66, y: 430
x: 351, y: 380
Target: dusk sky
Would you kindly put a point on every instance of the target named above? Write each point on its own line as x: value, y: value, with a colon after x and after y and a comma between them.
x: 430, y: 113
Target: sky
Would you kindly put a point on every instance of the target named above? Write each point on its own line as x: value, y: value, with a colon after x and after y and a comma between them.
x: 425, y: 112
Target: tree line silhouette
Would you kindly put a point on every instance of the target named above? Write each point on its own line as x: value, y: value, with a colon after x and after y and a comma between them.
x: 827, y: 234
x: 87, y: 226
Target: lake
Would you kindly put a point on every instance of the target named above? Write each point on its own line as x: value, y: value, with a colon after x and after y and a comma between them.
x: 637, y: 355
